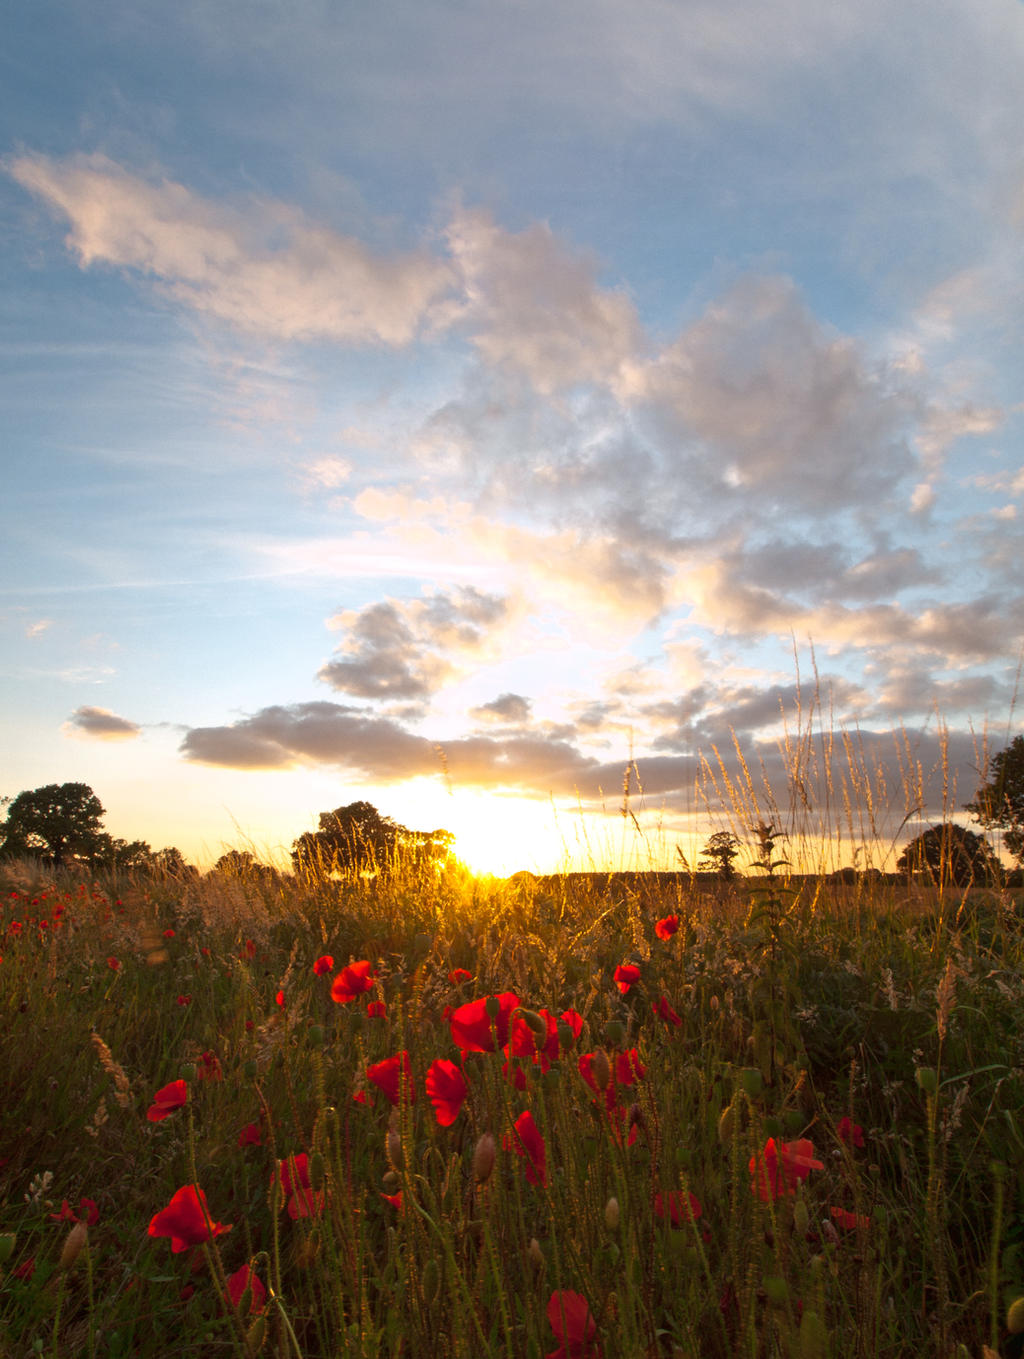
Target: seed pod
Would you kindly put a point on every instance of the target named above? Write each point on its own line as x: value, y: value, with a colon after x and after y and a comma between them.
x: 483, y: 1157
x: 77, y: 1238
x: 492, y: 1008
x: 614, y: 1032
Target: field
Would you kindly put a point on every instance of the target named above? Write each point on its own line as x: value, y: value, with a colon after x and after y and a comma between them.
x: 756, y: 1118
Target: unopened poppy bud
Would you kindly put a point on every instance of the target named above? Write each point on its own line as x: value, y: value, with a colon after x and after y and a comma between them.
x: 714, y: 1003
x: 813, y: 1338
x: 255, y: 1335
x: 726, y: 1125
x: 566, y: 1034
x: 776, y: 1290
x: 636, y: 1117
x: 752, y: 1082
x: 483, y: 1157
x: 431, y: 1279
x: 601, y: 1069
x: 77, y: 1237
x: 393, y: 1146
x: 794, y: 1121
x: 316, y: 1035
x: 1015, y: 1316
x: 245, y: 1301
x: 927, y: 1079
x: 535, y: 1253
x: 534, y: 1021
x: 492, y: 1008
x: 801, y: 1217
x: 551, y: 1079
x: 249, y: 1069
x: 614, y: 1032
x: 316, y: 1172
x: 7, y: 1240
x: 391, y: 1181
x: 611, y: 1215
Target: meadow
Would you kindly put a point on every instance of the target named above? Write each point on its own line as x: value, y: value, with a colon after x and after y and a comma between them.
x: 443, y: 1115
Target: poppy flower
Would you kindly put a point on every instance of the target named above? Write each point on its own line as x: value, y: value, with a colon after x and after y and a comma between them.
x: 473, y: 1029
x: 251, y: 1136
x: 529, y: 1144
x: 90, y: 1214
x: 241, y: 1280
x: 666, y: 927
x: 25, y: 1270
x: 167, y: 1100
x: 388, y: 1074
x: 352, y: 981
x: 575, y: 1329
x: 394, y: 1199
x: 168, y: 934
x: 114, y: 964
x: 679, y: 1208
x: 849, y: 1221
x: 208, y: 1068
x: 186, y: 1220
x: 625, y: 975
x: 778, y: 1170
x: 279, y: 998
x: 446, y: 1090
x: 849, y: 1132
x: 323, y: 965
x: 574, y: 1020
x: 376, y: 1009
x: 525, y: 1041
x: 301, y: 1200
x: 663, y: 1010
x: 458, y: 975
x: 184, y: 1000
x: 629, y: 1068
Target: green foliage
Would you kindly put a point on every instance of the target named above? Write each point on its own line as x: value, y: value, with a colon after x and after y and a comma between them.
x: 999, y: 802
x: 950, y: 854
x: 59, y: 822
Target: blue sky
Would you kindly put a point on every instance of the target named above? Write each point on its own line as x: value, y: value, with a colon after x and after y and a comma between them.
x: 449, y: 404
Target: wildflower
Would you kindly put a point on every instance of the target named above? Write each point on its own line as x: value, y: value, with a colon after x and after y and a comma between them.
x: 575, y: 1329
x: 629, y: 1068
x: 114, y: 964
x: 352, y: 981
x: 184, y: 1000
x: 300, y: 1197
x: 446, y: 1089
x: 780, y: 1168
x: 472, y: 1028
x: 186, y: 1220
x: 677, y: 1207
x: 529, y: 1144
x: 168, y: 934
x: 663, y: 1010
x: 458, y: 975
x: 208, y: 1068
x: 574, y: 1020
x: 391, y: 1074
x: 167, y: 1100
x: 246, y: 1278
x: 26, y: 1269
x: 376, y: 1009
x: 394, y: 1199
x: 849, y: 1132
x: 666, y: 927
x: 323, y: 965
x: 625, y: 975
x: 90, y: 1214
x: 251, y: 1136
x: 849, y: 1221
x: 279, y: 999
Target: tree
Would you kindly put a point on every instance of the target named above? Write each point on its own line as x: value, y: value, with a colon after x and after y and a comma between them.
x: 718, y: 854
x: 999, y: 803
x: 59, y: 823
x: 358, y: 838
x: 950, y: 854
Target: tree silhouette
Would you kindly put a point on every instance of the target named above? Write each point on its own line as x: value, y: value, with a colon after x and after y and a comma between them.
x: 999, y: 803
x: 718, y: 854
x: 59, y: 823
x: 950, y: 854
x: 357, y: 838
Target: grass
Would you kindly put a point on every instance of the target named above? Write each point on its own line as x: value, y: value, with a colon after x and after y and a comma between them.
x: 804, y: 1010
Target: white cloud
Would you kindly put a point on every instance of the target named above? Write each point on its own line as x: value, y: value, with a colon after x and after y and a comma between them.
x: 101, y: 724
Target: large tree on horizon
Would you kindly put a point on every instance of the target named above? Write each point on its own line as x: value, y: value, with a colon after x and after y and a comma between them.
x: 949, y: 853
x: 999, y: 802
x: 59, y: 822
x: 357, y: 837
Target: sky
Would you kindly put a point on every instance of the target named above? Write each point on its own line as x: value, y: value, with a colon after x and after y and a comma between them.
x: 482, y: 409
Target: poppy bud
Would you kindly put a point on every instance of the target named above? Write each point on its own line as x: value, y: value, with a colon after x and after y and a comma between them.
x: 551, y: 1079
x: 483, y: 1158
x: 393, y: 1145
x: 776, y: 1290
x: 492, y: 1008
x: 7, y: 1246
x: 391, y: 1181
x: 801, y: 1217
x: 534, y: 1021
x: 614, y: 1032
x: 316, y: 1035
x: 255, y: 1335
x: 535, y: 1253
x: 431, y: 1279
x: 813, y: 1340
x: 316, y: 1172
x: 600, y: 1069
x: 566, y: 1036
x: 1015, y: 1317
x: 250, y: 1070
x: 752, y: 1082
x: 726, y: 1125
x: 636, y: 1117
x: 77, y: 1237
x: 611, y: 1215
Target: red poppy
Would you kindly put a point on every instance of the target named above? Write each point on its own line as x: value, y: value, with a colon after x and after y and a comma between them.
x: 112, y: 963
x: 446, y: 1090
x: 574, y: 1020
x: 781, y: 1167
x: 26, y: 1269
x: 301, y: 1200
x: 376, y: 1009
x: 184, y: 1000
x: 165, y: 1101
x: 629, y: 1068
x: 625, y: 975
x: 323, y: 965
x: 472, y: 1028
x: 186, y: 1220
x: 677, y: 1207
x: 575, y: 1329
x: 279, y: 998
x: 251, y: 1136
x: 168, y: 934
x: 352, y: 981
x: 663, y: 1010
x: 387, y: 1076
x: 849, y: 1132
x: 527, y: 1042
x: 241, y: 1280
x: 458, y: 975
x: 208, y: 1068
x: 666, y: 927
x: 394, y: 1199
x: 529, y: 1144
x: 849, y: 1221
x: 90, y: 1214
